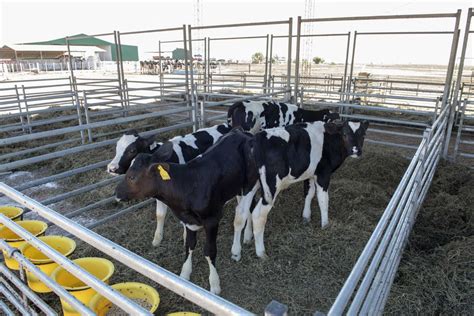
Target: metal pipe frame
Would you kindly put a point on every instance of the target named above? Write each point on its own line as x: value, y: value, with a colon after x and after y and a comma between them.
x: 32, y: 296
x: 18, y: 299
x: 383, y: 17
x: 190, y: 291
x: 61, y: 292
x: 458, y: 82
x: 13, y: 300
x: 5, y: 309
x: 104, y: 289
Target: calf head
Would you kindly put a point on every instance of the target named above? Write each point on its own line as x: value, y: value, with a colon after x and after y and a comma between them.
x: 330, y: 116
x: 128, y: 147
x: 142, y: 178
x: 352, y: 134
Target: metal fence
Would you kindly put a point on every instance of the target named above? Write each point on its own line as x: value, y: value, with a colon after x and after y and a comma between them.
x: 94, y: 112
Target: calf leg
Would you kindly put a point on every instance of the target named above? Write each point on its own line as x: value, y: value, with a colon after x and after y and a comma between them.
x: 323, y: 200
x: 259, y: 219
x: 242, y: 212
x: 190, y: 245
x: 211, y: 227
x: 310, y: 190
x: 248, y: 233
x: 161, y: 209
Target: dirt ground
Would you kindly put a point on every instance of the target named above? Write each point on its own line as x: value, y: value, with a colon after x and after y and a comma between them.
x: 307, y: 265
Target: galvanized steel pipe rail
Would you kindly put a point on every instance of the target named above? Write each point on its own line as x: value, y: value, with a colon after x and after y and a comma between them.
x: 104, y: 289
x: 61, y: 292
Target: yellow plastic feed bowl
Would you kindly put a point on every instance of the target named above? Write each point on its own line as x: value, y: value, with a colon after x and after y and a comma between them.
x: 99, y: 267
x: 183, y: 314
x: 14, y: 213
x: 36, y: 228
x: 133, y: 290
x: 63, y: 245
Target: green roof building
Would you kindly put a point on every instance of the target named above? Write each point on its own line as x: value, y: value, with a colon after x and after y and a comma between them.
x: 129, y: 52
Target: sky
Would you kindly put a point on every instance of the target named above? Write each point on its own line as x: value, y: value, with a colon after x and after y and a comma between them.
x: 27, y: 21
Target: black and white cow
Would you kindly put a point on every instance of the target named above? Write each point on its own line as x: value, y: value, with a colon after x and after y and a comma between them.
x: 304, y: 151
x: 254, y: 116
x: 197, y: 191
x: 179, y: 149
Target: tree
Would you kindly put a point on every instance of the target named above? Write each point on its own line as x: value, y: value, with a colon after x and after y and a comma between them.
x: 257, y: 58
x: 318, y: 60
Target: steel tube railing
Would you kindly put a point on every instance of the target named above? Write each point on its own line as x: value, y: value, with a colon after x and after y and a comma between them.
x: 114, y: 296
x: 32, y: 296
x: 14, y: 301
x: 61, y: 292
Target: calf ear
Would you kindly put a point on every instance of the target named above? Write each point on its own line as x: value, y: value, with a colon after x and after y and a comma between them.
x: 365, y: 124
x: 132, y: 132
x: 147, y: 141
x: 332, y: 128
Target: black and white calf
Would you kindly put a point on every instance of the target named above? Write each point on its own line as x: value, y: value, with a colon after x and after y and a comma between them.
x: 179, y: 149
x: 304, y: 151
x: 197, y: 191
x: 253, y: 116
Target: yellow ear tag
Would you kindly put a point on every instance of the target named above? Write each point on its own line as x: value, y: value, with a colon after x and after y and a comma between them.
x: 163, y: 173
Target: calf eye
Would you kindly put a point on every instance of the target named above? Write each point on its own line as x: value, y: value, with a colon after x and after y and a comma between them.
x: 131, y: 178
x: 133, y: 150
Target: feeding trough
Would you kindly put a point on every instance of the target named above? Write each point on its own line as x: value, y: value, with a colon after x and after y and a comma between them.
x: 183, y: 314
x: 99, y: 267
x: 140, y: 293
x: 36, y: 228
x: 14, y: 213
x: 63, y: 245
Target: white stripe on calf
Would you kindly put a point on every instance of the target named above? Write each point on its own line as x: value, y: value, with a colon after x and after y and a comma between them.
x: 214, y: 281
x: 323, y: 200
x: 187, y: 268
x: 161, y: 209
x: 308, y: 199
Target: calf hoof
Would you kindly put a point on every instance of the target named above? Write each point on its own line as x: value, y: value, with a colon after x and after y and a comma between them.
x: 324, y: 226
x: 215, y: 289
x: 306, y: 220
x: 185, y: 275
x: 236, y: 257
x: 262, y: 256
x: 156, y: 242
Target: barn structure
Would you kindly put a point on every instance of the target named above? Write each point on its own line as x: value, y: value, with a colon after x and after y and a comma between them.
x: 84, y: 47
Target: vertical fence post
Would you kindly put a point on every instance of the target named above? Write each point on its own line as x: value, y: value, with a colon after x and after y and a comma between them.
x: 297, y: 58
x: 119, y: 77
x: 127, y: 99
x: 435, y: 112
x: 290, y: 43
x: 86, y: 112
x: 191, y: 76
x: 194, y: 109
x: 122, y: 72
x: 160, y: 70
x: 343, y: 96
x: 205, y: 65
x: 28, y: 118
x: 351, y: 72
x: 79, y: 114
x: 459, y: 77
x: 202, y: 107
x: 265, y: 74
x: 19, y: 109
x: 460, y: 126
x: 271, y: 63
